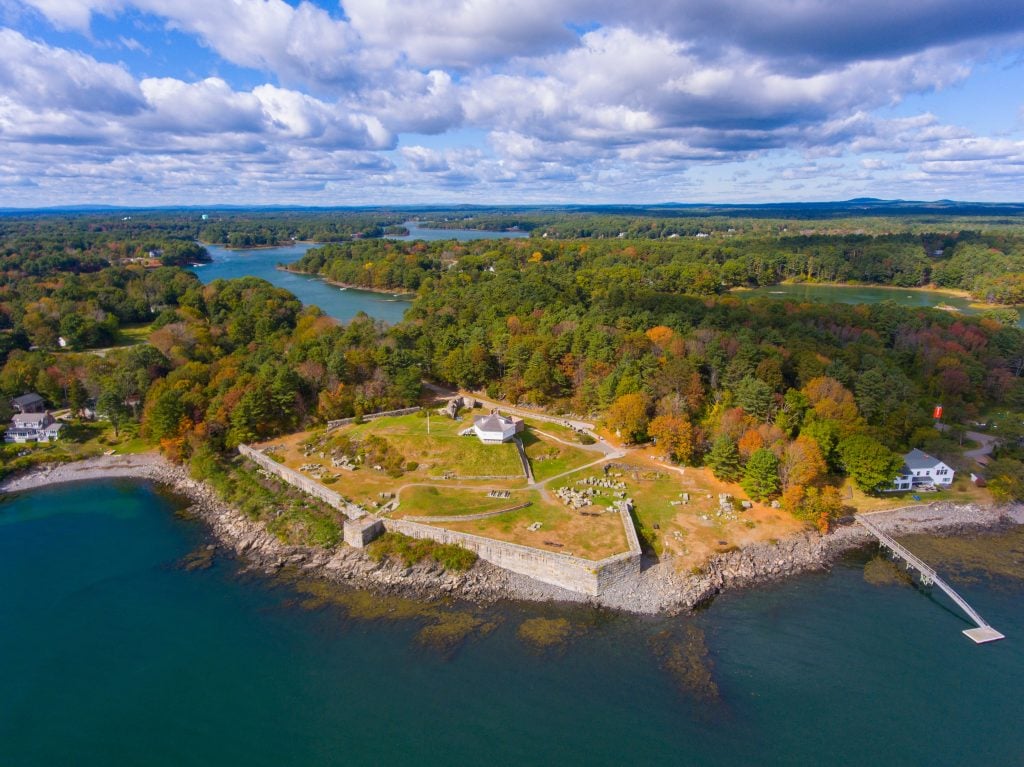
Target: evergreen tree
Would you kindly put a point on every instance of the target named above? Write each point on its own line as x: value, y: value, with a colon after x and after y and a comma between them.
x: 724, y: 460
x: 761, y: 476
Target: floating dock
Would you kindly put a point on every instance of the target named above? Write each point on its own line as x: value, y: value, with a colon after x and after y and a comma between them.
x: 980, y: 635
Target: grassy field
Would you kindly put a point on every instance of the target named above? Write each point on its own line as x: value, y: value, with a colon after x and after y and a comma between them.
x: 582, y: 536
x: 691, y: 532
x: 549, y: 459
x: 442, y: 449
x: 440, y: 501
x: 130, y: 335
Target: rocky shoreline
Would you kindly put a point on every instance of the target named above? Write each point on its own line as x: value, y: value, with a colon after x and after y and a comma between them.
x: 660, y: 589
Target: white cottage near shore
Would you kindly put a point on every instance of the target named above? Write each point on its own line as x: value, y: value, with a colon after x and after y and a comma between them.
x: 920, y: 469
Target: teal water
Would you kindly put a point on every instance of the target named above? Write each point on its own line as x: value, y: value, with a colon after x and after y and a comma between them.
x: 862, y: 294
x: 113, y: 654
x: 420, y: 232
x: 341, y: 303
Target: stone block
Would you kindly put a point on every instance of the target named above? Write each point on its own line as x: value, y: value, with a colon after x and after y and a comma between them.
x: 360, y: 532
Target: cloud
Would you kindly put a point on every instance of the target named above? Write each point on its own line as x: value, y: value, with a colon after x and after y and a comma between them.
x: 462, y: 34
x: 300, y: 117
x: 547, y: 97
x: 37, y: 75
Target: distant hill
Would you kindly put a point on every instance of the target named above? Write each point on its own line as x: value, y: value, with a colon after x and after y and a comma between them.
x: 857, y: 207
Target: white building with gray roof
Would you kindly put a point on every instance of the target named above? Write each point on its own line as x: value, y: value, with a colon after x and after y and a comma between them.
x: 921, y: 470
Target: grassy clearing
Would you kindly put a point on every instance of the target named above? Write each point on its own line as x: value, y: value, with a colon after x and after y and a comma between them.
x: 132, y: 335
x: 549, y: 458
x: 437, y: 500
x: 583, y: 536
x: 693, y: 531
x: 442, y: 449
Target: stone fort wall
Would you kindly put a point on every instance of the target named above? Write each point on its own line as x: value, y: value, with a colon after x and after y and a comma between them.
x: 584, y: 576
x: 302, y: 482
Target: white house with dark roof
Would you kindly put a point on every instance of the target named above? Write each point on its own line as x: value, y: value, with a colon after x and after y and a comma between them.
x: 494, y: 429
x: 920, y: 469
x: 33, y: 427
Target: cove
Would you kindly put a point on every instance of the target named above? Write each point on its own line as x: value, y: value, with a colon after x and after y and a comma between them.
x: 419, y: 232
x: 112, y: 653
x: 340, y: 303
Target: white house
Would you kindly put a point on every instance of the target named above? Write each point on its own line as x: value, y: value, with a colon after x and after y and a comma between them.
x: 920, y: 469
x: 494, y: 429
x: 33, y: 427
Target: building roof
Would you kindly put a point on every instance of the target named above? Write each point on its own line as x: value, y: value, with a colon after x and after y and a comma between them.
x: 26, y: 419
x: 492, y: 423
x: 918, y: 459
x: 27, y: 399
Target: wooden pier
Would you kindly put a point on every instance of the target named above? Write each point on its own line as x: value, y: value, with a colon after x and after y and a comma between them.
x: 984, y: 632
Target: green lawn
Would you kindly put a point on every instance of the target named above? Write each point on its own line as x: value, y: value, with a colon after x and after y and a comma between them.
x: 549, y: 459
x: 444, y: 501
x: 130, y: 335
x: 442, y: 448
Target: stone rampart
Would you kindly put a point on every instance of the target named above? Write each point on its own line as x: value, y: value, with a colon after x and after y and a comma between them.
x: 584, y: 576
x: 302, y: 482
x: 372, y: 417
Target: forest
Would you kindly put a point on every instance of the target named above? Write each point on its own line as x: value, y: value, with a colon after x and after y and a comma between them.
x: 641, y: 334
x: 990, y: 266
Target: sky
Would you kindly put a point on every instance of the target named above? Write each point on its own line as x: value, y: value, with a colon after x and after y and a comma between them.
x: 388, y: 102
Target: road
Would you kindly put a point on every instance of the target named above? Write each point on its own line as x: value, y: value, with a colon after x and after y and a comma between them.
x: 986, y: 442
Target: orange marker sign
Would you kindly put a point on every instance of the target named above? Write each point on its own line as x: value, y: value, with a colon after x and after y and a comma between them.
x: 938, y: 412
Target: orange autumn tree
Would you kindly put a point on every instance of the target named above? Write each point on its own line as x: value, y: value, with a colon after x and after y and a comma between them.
x: 802, y: 462
x: 628, y: 416
x: 831, y: 401
x: 820, y: 506
x: 674, y: 434
x: 660, y: 336
x: 750, y: 443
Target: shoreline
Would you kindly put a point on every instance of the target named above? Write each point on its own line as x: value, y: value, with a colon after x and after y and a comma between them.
x: 349, y: 285
x: 659, y: 590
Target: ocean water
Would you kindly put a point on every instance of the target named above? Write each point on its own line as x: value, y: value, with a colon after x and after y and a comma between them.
x: 113, y: 653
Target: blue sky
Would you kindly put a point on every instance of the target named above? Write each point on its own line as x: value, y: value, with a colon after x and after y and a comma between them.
x: 147, y: 102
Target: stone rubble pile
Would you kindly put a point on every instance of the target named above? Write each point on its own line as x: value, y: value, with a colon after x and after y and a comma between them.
x: 575, y: 499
